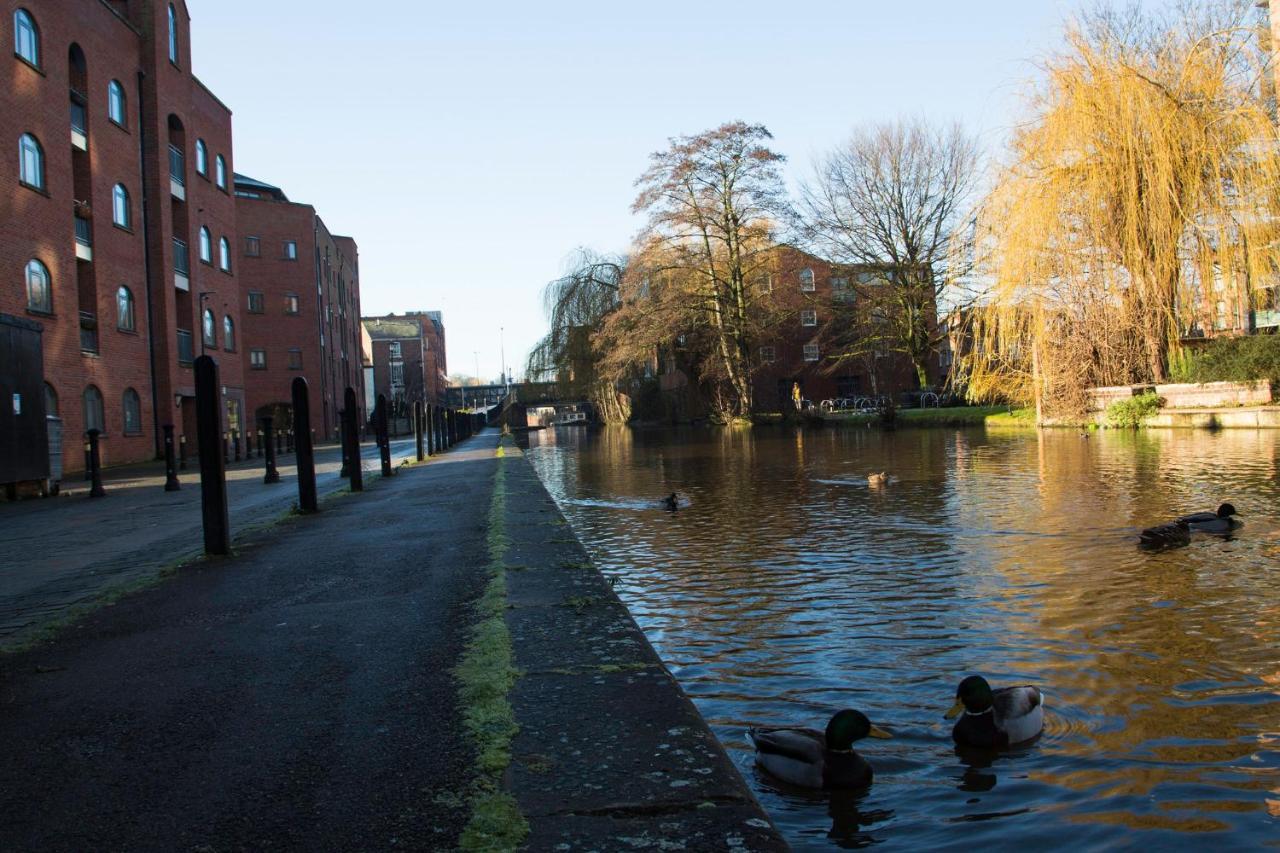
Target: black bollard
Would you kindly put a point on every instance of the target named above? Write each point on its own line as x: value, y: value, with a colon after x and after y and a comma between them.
x: 171, y: 483
x: 95, y: 466
x: 342, y: 444
x: 88, y: 461
x: 417, y: 431
x: 258, y: 445
x: 213, y: 472
x: 226, y: 449
x: 306, y: 447
x: 384, y: 440
x: 182, y: 452
x: 272, y: 475
x: 427, y: 414
x: 235, y: 443
x: 351, y: 413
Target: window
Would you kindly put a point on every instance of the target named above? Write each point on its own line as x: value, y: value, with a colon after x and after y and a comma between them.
x: 132, y: 412
x: 397, y: 374
x: 50, y: 401
x: 116, y: 102
x: 173, y: 35
x: 766, y: 283
x: 39, y: 287
x: 256, y: 302
x: 26, y: 38
x: 202, y: 159
x: 92, y: 401
x: 806, y: 281
x: 206, y: 245
x: 840, y: 289
x: 125, y: 319
x: 808, y: 317
x: 395, y: 349
x: 224, y: 254
x: 31, y: 165
x: 768, y: 355
x: 291, y: 250
x: 257, y: 359
x: 177, y: 167
x: 252, y: 247
x: 810, y: 352
x: 220, y: 172
x: 209, y: 330
x: 291, y: 303
x: 120, y: 206
x: 295, y: 359
x: 186, y: 353
x: 228, y: 333
x: 181, y: 258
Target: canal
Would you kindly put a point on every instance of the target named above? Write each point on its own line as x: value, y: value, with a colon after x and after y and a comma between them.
x: 789, y: 588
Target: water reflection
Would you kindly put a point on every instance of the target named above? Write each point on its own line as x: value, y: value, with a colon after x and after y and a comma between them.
x: 790, y: 588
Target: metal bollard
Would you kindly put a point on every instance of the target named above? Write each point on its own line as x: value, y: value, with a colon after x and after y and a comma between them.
x: 95, y: 466
x: 213, y: 476
x: 384, y: 440
x: 235, y: 442
x: 226, y: 449
x: 272, y: 475
x: 171, y: 483
x: 351, y: 413
x: 88, y: 460
x: 306, y: 447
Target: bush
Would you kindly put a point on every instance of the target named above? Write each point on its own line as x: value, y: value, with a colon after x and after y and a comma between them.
x: 1130, y: 413
x: 1246, y: 359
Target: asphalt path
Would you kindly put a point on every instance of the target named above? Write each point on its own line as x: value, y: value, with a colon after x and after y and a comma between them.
x: 295, y: 696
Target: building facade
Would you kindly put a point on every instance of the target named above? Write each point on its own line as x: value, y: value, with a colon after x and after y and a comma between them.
x: 408, y: 359
x: 301, y: 307
x: 117, y: 221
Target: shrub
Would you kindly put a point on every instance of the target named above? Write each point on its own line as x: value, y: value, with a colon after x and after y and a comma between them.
x: 1244, y: 359
x: 1131, y: 412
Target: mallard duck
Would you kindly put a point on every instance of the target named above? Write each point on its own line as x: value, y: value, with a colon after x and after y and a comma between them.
x: 995, y: 718
x: 671, y: 503
x: 1222, y: 521
x: 879, y: 478
x: 813, y: 759
x: 1169, y: 535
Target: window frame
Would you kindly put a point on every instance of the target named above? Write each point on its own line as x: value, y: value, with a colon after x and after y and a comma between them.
x: 173, y: 35
x: 209, y: 329
x: 47, y: 284
x: 768, y: 354
x: 224, y: 254
x: 220, y: 172
x: 295, y: 363
x: 21, y: 16
x: 292, y: 305
x: 290, y: 250
x: 131, y: 400
x: 206, y: 245
x: 128, y: 320
x: 394, y: 350
x: 817, y: 353
x: 808, y: 281
x: 118, y: 193
x: 252, y: 247
x: 202, y: 159
x: 37, y: 151
x: 808, y: 317
x: 100, y: 412
x: 117, y: 104
x: 261, y: 301
x: 228, y: 333
x: 257, y: 359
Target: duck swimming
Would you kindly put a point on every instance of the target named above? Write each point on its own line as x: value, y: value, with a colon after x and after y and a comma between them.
x: 995, y: 718
x: 813, y: 759
x: 879, y: 478
x: 671, y: 503
x: 1178, y: 531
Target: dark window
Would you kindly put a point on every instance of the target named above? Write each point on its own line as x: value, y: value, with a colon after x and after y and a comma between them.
x: 39, y: 287
x: 257, y: 304
x: 93, y: 418
x: 125, y: 320
x: 291, y: 303
x: 132, y: 412
x: 181, y: 257
x: 186, y: 349
x: 88, y: 331
x: 50, y: 401
x: 258, y: 359
x: 295, y: 359
x: 31, y: 162
x: 252, y: 247
x: 26, y: 38
x: 116, y: 103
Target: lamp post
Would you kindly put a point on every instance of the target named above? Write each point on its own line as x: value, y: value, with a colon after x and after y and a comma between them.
x: 502, y: 346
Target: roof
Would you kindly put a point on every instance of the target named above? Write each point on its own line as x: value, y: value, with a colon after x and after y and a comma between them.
x: 385, y: 328
x: 244, y: 182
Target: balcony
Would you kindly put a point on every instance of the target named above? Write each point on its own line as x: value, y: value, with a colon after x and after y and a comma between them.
x: 181, y: 266
x: 1265, y: 319
x: 84, y: 239
x: 177, y: 173
x: 79, y: 123
x: 88, y: 332
x: 186, y: 350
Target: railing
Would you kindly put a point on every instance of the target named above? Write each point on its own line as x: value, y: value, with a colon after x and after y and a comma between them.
x: 88, y: 331
x: 186, y: 350
x: 181, y: 257
x: 177, y: 165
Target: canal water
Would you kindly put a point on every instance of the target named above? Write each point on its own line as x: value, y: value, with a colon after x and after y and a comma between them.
x: 789, y: 588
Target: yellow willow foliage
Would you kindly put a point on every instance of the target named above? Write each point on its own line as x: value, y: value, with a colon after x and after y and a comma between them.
x: 1144, y: 186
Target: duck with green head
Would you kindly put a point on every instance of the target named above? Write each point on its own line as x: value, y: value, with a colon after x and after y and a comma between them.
x: 809, y: 758
x: 995, y: 718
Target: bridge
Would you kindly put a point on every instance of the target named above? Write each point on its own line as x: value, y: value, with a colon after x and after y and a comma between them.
x: 486, y: 396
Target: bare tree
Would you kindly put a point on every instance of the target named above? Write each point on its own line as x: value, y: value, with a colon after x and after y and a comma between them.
x: 895, y: 198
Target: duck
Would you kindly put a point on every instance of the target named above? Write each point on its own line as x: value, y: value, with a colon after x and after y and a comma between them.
x: 879, y: 478
x: 995, y: 718
x: 1171, y: 535
x: 1222, y: 521
x: 671, y: 503
x: 809, y: 758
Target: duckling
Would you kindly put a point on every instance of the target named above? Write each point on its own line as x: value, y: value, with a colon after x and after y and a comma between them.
x: 671, y: 503
x: 1222, y: 521
x: 995, y: 718
x: 877, y: 479
x: 813, y: 759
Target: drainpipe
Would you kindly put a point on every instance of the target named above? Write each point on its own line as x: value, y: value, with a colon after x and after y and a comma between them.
x: 146, y: 270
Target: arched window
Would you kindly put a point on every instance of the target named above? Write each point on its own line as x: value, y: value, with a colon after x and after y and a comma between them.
x: 209, y: 329
x: 120, y: 206
x: 173, y: 35
x: 26, y: 38
x: 132, y: 412
x: 39, y: 287
x: 116, y: 102
x: 50, y: 401
x: 220, y: 172
x: 228, y: 333
x: 202, y: 158
x: 206, y: 245
x: 806, y: 281
x: 31, y: 164
x: 125, y: 320
x: 224, y: 254
x: 92, y: 401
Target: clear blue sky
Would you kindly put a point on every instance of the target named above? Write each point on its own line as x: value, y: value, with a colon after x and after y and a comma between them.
x: 469, y: 147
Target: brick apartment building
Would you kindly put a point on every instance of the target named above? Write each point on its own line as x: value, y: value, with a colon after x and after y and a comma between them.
x: 302, y: 307
x: 409, y: 362
x: 116, y: 216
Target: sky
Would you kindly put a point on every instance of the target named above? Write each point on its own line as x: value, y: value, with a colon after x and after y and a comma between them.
x: 469, y: 148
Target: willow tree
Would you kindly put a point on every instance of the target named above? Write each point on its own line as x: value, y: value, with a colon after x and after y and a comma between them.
x: 711, y: 202
x: 1145, y: 180
x: 576, y: 305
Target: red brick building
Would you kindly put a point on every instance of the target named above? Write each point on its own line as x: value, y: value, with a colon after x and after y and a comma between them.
x: 301, y: 311
x: 105, y: 114
x: 409, y: 362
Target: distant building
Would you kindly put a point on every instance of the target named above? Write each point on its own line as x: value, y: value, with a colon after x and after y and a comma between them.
x: 409, y: 361
x: 301, y: 312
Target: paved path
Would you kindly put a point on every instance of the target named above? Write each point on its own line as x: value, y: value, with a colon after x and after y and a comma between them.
x: 295, y: 696
x: 59, y: 553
